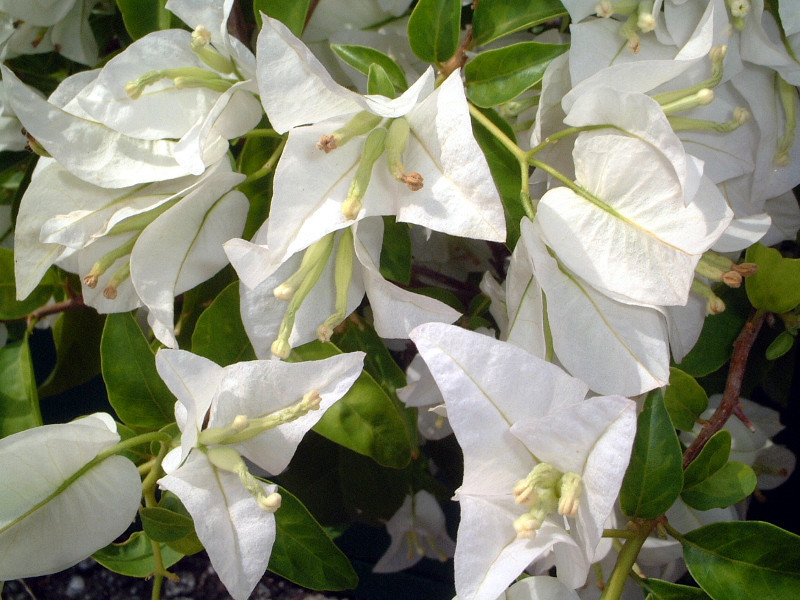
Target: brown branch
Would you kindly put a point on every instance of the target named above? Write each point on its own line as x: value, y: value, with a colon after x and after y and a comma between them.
x: 459, y: 58
x: 237, y: 26
x: 733, y: 386
x: 72, y: 303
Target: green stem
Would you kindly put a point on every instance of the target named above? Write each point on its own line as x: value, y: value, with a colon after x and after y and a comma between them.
x: 268, y: 166
x: 519, y: 154
x: 673, y: 532
x: 626, y: 560
x: 618, y: 533
x: 154, y: 436
x: 510, y: 144
x: 552, y: 139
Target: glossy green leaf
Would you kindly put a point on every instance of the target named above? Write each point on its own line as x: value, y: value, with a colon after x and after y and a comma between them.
x: 732, y: 483
x: 744, y: 559
x: 256, y: 152
x: 10, y: 307
x: 219, y: 334
x: 76, y: 334
x: 664, y: 590
x: 292, y: 14
x: 496, y: 18
x: 144, y: 16
x: 497, y: 76
x: 361, y: 57
x: 366, y: 419
x: 710, y: 481
x: 378, y: 82
x: 134, y: 557
x: 189, y: 543
x: 163, y: 525
x: 780, y: 346
x: 396, y: 251
x: 434, y: 28
x: 776, y: 285
x: 19, y: 403
x: 358, y: 335
x: 715, y: 345
x: 505, y: 172
x: 303, y: 552
x: 655, y: 475
x: 135, y: 390
x: 685, y: 399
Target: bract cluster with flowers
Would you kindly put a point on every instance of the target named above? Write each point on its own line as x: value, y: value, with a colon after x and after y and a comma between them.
x: 479, y: 300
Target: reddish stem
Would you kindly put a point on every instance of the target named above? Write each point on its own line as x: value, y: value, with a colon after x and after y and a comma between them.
x: 72, y: 303
x: 733, y: 386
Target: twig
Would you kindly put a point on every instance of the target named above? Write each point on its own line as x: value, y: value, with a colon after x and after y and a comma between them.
x: 733, y: 386
x: 72, y: 303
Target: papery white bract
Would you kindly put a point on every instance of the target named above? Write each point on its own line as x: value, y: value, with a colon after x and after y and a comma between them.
x: 525, y: 427
x: 417, y: 530
x: 56, y: 506
x: 232, y: 510
x: 457, y: 197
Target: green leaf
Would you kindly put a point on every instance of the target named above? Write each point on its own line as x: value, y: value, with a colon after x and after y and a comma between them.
x: 10, y: 307
x: 361, y: 57
x: 359, y: 335
x: 733, y: 482
x: 396, y: 251
x: 256, y: 152
x: 744, y: 559
x: 292, y: 14
x: 497, y: 76
x: 715, y: 345
x: 366, y: 419
x: 76, y: 334
x: 434, y: 28
x: 655, y: 475
x: 19, y: 403
x: 378, y: 82
x: 496, y: 18
x: 505, y: 172
x: 685, y: 399
x: 665, y: 590
x: 711, y: 459
x: 710, y: 481
x: 776, y: 285
x: 219, y: 334
x: 303, y: 552
x: 163, y: 525
x: 780, y: 346
x: 135, y: 390
x: 189, y: 543
x: 134, y: 557
x: 144, y: 16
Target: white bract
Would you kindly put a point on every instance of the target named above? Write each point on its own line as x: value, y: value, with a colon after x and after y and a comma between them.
x: 59, y: 503
x: 260, y: 410
x: 448, y: 186
x: 423, y: 394
x: 542, y: 471
x: 313, y: 292
x: 418, y: 531
x: 139, y: 245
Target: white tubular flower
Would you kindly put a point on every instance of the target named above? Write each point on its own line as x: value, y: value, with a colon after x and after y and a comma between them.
x: 542, y: 472
x: 58, y: 504
x: 314, y: 288
x: 139, y: 245
x: 259, y: 410
x: 447, y: 187
x: 418, y: 531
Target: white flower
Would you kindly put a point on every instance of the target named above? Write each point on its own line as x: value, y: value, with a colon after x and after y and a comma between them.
x: 423, y: 394
x: 417, y: 530
x: 313, y: 292
x: 260, y: 410
x: 542, y: 466
x: 429, y: 132
x: 58, y: 504
x: 137, y: 245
